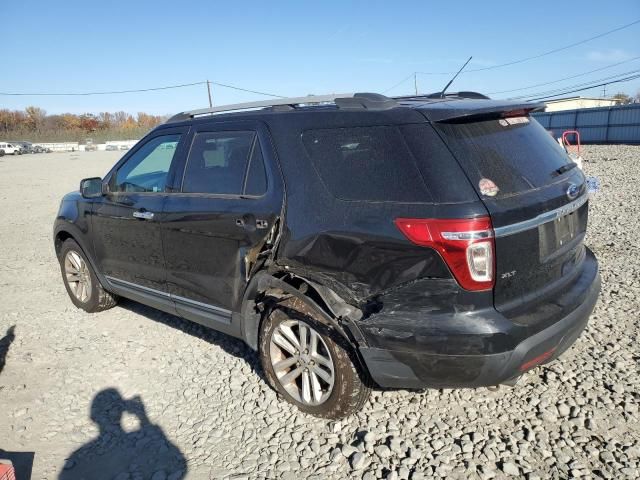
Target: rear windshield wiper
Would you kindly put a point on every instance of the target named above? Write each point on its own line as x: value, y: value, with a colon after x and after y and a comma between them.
x: 563, y: 168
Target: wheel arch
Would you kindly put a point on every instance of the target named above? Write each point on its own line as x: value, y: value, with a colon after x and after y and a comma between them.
x: 68, y: 231
x: 267, y: 289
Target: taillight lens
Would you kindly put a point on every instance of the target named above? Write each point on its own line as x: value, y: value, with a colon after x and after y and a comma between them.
x: 466, y: 245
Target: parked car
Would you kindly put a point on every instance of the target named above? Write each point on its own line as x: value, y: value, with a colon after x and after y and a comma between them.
x: 25, y: 147
x: 350, y: 240
x: 111, y: 148
x: 10, y: 149
x: 124, y: 147
x: 89, y: 145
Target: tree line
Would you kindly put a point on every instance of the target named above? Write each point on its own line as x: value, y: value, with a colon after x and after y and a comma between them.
x: 35, y: 125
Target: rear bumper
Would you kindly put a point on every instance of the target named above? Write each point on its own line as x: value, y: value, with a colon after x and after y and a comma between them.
x: 415, y: 367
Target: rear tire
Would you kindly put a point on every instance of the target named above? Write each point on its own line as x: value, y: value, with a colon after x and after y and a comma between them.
x: 81, y: 282
x: 318, y: 375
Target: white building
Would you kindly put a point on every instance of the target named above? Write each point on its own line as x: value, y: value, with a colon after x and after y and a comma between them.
x: 573, y: 103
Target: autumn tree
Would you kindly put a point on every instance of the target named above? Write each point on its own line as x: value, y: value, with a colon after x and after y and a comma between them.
x: 88, y: 122
x: 34, y: 118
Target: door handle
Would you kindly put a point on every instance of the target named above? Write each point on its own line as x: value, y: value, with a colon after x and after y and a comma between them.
x: 143, y: 214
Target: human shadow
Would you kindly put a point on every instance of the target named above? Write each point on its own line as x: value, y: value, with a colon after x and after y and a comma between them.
x: 118, y: 453
x: 231, y: 345
x: 5, y: 343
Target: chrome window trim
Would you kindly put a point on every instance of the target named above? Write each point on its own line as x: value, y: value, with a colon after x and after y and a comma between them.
x: 542, y: 218
x: 177, y: 298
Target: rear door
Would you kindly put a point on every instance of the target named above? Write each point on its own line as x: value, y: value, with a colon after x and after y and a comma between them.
x: 537, y: 200
x: 215, y: 226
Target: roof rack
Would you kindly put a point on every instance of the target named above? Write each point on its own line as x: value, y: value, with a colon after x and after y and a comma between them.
x: 468, y: 94
x: 368, y: 101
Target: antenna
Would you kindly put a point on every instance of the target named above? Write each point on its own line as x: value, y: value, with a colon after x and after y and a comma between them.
x: 454, y: 77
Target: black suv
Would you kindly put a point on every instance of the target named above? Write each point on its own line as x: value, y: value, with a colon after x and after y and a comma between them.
x: 352, y: 240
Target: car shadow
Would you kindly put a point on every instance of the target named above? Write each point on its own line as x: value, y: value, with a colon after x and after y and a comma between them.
x: 142, y: 452
x: 231, y: 345
x: 5, y: 343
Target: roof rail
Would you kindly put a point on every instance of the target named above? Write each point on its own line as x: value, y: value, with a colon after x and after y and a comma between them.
x: 467, y: 94
x: 369, y: 101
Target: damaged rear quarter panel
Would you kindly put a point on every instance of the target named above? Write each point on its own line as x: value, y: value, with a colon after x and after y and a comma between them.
x: 354, y: 247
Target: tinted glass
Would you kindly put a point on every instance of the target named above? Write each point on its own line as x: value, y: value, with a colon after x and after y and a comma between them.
x: 217, y: 162
x: 146, y: 170
x: 366, y: 163
x: 256, y: 183
x: 516, y: 154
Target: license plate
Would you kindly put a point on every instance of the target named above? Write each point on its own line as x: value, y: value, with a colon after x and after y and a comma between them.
x: 566, y: 228
x: 557, y: 234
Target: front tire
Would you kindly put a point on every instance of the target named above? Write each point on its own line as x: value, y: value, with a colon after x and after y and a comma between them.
x: 310, y: 364
x: 81, y: 282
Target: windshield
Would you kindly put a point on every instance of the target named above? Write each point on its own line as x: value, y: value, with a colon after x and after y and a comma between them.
x: 506, y: 156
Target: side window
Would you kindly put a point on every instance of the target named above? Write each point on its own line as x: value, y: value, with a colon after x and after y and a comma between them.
x: 147, y: 169
x: 366, y: 164
x: 218, y: 161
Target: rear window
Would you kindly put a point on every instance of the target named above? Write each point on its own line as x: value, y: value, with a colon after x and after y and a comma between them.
x: 366, y: 164
x: 513, y: 154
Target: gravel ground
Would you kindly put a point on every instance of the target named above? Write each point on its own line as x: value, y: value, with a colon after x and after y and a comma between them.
x: 135, y: 393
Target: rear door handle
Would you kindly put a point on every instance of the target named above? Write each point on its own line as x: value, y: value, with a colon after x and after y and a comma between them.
x: 143, y: 214
x: 250, y: 223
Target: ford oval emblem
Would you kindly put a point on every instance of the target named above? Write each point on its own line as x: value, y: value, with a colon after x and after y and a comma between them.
x: 573, y: 191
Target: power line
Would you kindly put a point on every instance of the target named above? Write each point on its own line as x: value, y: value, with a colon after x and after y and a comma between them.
x: 565, y: 78
x: 114, y: 92
x: 621, y: 80
x: 543, y: 54
x: 400, y: 82
x: 139, y: 90
x: 555, y: 90
x: 246, y: 90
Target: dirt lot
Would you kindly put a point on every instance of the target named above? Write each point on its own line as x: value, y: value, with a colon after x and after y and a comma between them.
x: 135, y: 393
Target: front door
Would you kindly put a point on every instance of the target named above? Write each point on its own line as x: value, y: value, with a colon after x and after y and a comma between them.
x: 228, y: 201
x: 126, y: 223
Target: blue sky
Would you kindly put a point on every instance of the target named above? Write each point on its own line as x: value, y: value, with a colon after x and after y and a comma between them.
x: 296, y: 48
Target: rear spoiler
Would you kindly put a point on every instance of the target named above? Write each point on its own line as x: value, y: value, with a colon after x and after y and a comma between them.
x: 465, y: 110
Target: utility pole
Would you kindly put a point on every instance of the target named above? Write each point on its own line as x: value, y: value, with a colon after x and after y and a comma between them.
x: 415, y: 82
x: 209, y: 93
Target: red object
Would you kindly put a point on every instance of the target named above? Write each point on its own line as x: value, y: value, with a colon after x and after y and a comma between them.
x: 460, y: 242
x: 567, y: 144
x: 537, y: 360
x: 7, y: 472
x: 515, y: 113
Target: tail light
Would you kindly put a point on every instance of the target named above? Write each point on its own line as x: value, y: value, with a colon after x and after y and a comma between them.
x: 466, y: 245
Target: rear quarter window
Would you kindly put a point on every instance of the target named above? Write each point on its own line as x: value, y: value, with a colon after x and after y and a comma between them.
x: 517, y: 155
x: 366, y: 164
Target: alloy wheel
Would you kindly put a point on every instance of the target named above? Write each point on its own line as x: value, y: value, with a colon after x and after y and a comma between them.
x: 302, y: 362
x: 77, y: 275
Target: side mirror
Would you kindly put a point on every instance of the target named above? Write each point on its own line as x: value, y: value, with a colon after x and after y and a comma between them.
x: 91, y: 187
